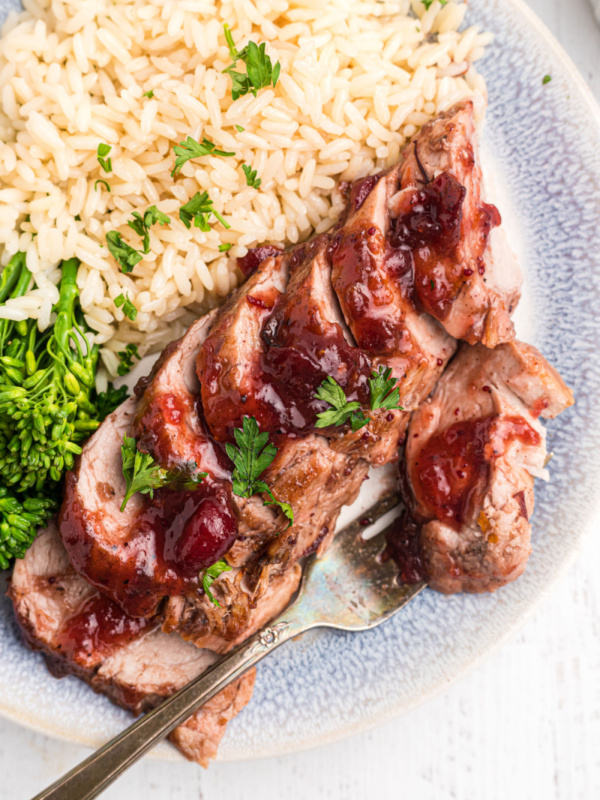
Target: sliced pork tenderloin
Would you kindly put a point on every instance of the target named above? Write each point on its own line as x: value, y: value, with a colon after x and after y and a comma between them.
x: 81, y: 632
x: 471, y: 455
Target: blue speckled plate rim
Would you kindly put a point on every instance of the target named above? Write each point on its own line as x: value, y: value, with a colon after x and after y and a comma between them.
x: 562, y: 67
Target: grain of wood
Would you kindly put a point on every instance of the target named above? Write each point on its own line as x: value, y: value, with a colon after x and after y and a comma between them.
x: 525, y: 725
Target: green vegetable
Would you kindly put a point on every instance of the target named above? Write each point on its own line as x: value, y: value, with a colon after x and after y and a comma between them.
x: 142, y: 474
x: 105, y: 163
x: 427, y: 3
x: 211, y: 574
x: 48, y: 406
x: 546, y: 79
x: 239, y: 129
x: 251, y: 178
x: 142, y: 224
x: 341, y: 409
x: 106, y: 186
x: 125, y: 255
x: 46, y: 386
x: 260, y: 71
x: 129, y: 309
x: 199, y: 209
x: 223, y: 248
x: 253, y: 454
x: 107, y: 401
x: 384, y: 390
x: 193, y: 149
x: 126, y: 359
x: 20, y: 519
x: 149, y: 94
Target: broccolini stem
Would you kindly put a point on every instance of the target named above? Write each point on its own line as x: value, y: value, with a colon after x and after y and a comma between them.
x: 10, y: 276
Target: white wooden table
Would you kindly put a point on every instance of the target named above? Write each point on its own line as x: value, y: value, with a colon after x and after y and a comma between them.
x: 525, y: 725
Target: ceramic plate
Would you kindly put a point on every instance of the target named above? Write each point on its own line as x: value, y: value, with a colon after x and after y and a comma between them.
x: 541, y: 147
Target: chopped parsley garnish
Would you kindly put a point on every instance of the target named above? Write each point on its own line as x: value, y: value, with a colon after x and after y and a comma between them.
x: 125, y: 255
x: 260, y: 71
x: 129, y: 309
x: 341, y: 409
x: 546, y: 79
x: 428, y: 3
x: 251, y: 178
x: 149, y: 94
x: 384, y: 390
x: 107, y: 401
x: 223, y: 248
x: 101, y: 180
x: 199, y: 209
x: 239, y: 129
x: 126, y: 359
x: 142, y: 224
x: 184, y: 151
x: 253, y: 454
x: 142, y: 474
x: 432, y: 284
x: 101, y: 153
x: 211, y: 574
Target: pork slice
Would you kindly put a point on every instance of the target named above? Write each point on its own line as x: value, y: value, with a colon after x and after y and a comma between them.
x: 472, y: 452
x: 374, y: 285
x: 81, y: 632
x: 229, y: 361
x: 465, y: 274
x: 97, y: 534
x: 242, y: 610
x: 167, y: 422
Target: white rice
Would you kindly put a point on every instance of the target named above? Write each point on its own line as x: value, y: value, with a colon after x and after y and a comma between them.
x: 358, y: 79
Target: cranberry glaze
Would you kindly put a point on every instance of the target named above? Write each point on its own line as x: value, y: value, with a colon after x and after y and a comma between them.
x: 98, y: 626
x: 452, y: 467
x: 173, y: 537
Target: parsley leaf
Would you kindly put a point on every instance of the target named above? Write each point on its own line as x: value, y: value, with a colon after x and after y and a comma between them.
x: 142, y: 224
x: 184, y: 151
x: 239, y: 129
x: 253, y: 454
x: 142, y: 474
x: 384, y: 390
x: 260, y: 71
x: 149, y: 94
x: 102, y: 151
x: 546, y: 79
x: 125, y: 255
x: 100, y: 180
x: 340, y: 409
x: 210, y: 575
x: 251, y: 178
x: 428, y: 3
x: 223, y: 248
x: 199, y: 209
x: 107, y: 401
x: 126, y: 359
x: 129, y: 309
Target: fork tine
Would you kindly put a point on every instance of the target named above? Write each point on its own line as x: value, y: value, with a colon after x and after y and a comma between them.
x: 349, y: 587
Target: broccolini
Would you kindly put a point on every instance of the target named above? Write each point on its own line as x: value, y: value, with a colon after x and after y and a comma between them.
x: 48, y: 405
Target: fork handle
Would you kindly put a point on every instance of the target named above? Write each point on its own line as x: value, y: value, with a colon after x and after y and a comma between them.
x: 99, y: 770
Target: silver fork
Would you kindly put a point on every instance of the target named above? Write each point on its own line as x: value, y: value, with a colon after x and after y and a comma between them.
x: 349, y: 588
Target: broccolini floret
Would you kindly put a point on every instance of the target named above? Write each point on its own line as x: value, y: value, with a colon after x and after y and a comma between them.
x: 48, y: 405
